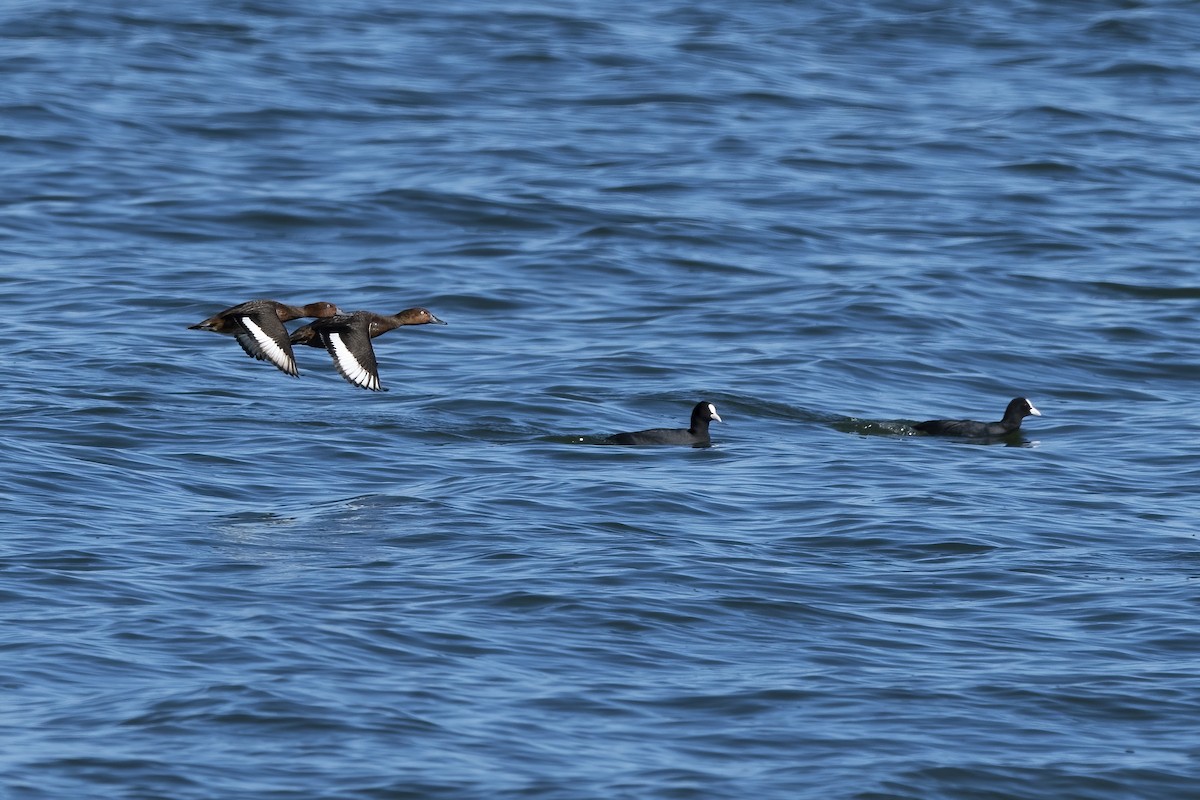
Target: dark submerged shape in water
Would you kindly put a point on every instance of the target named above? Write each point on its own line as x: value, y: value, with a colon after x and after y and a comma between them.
x: 258, y: 327
x: 348, y: 337
x: 696, y: 434
x: 1017, y: 410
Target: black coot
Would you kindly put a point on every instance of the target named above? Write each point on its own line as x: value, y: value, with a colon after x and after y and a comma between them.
x: 1017, y: 410
x: 696, y: 434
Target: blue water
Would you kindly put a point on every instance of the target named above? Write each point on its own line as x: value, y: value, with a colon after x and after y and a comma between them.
x: 830, y: 219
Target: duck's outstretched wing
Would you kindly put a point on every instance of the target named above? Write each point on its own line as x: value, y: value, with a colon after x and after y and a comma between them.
x: 353, y: 356
x: 265, y: 338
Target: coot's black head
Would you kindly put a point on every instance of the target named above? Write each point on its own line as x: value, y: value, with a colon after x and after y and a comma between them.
x: 1019, y: 409
x: 702, y: 413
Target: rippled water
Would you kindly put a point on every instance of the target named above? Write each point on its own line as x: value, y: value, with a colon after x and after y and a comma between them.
x: 829, y: 219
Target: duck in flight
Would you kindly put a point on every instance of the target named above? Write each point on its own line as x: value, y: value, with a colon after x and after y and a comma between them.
x: 258, y: 327
x: 348, y: 337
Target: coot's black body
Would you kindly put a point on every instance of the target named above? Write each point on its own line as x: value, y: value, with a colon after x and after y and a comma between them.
x: 1017, y: 410
x: 697, y: 434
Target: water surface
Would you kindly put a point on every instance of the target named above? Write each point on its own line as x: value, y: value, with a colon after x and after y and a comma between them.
x: 829, y: 219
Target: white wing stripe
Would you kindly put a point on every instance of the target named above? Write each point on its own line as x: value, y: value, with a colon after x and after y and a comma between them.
x: 269, y: 347
x: 355, y: 372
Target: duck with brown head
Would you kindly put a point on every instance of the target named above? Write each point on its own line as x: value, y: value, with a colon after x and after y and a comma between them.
x: 258, y: 327
x: 348, y: 337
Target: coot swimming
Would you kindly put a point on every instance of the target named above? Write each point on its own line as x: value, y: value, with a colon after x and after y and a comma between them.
x: 696, y: 434
x: 1017, y: 410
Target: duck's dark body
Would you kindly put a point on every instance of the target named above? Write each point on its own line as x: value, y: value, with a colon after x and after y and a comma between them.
x: 348, y: 337
x: 258, y: 327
